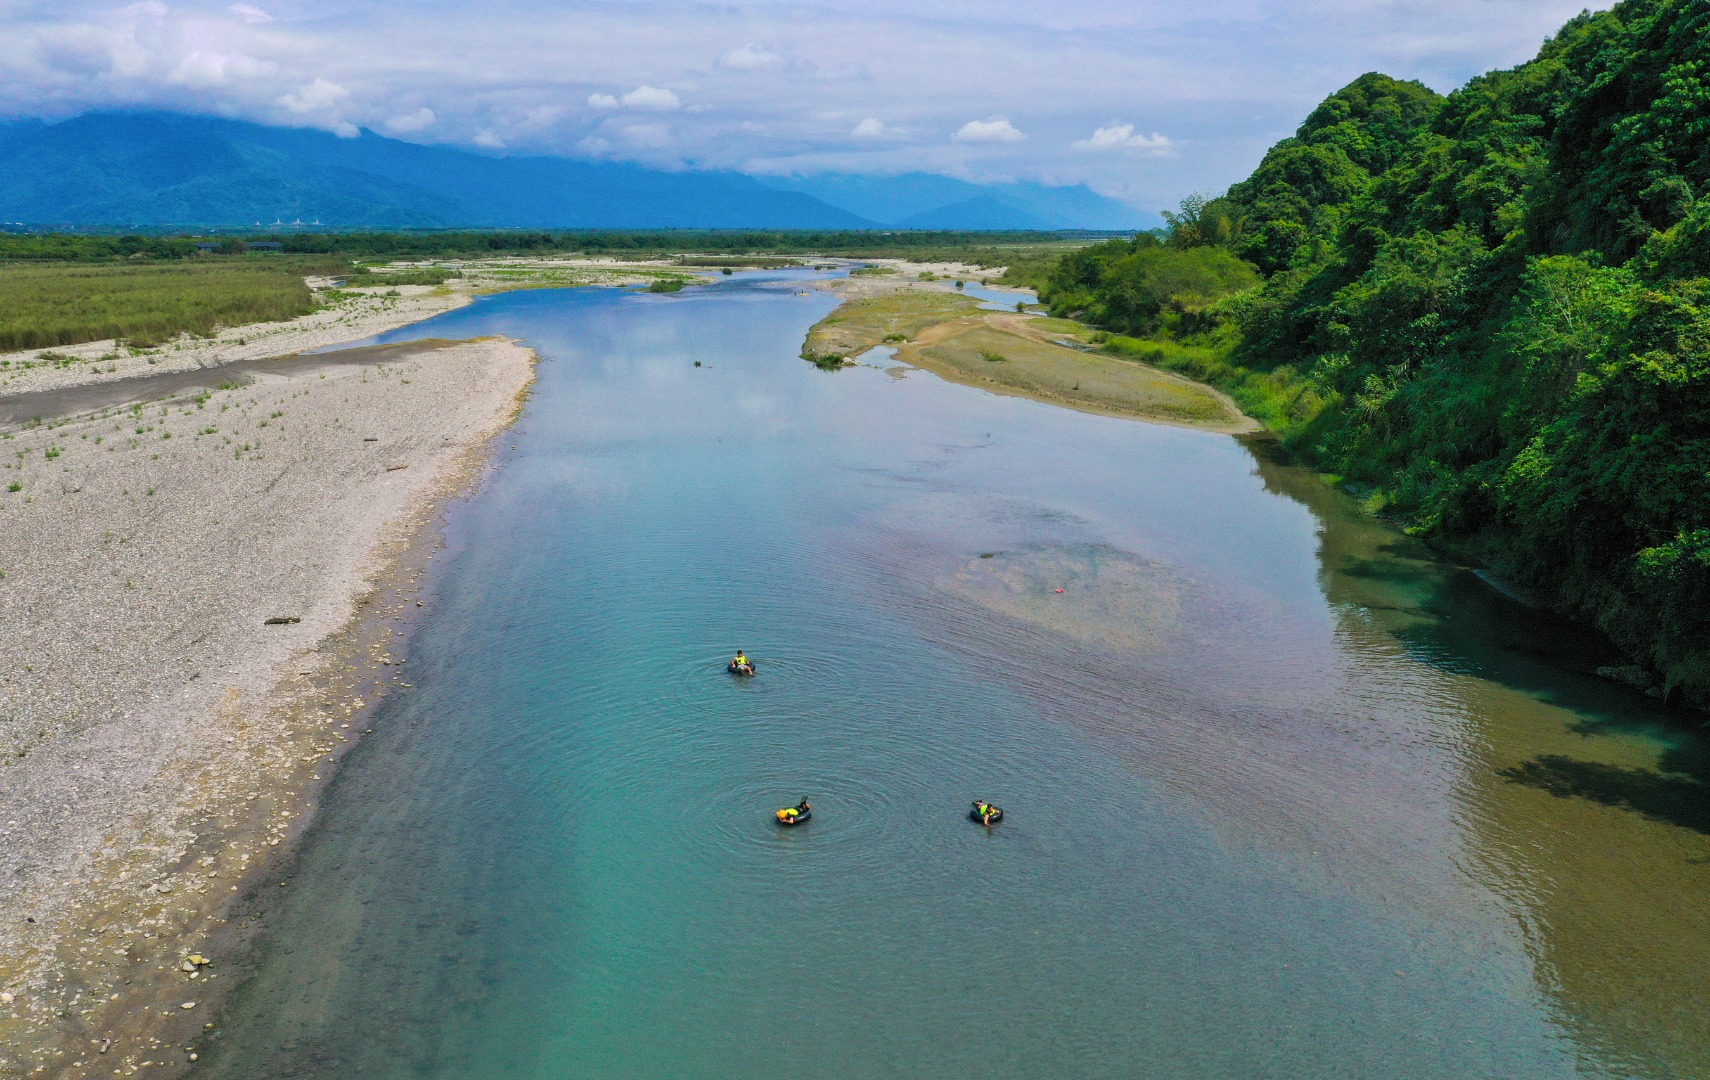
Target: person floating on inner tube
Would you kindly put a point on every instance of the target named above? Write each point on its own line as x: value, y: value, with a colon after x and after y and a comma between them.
x: 985, y: 813
x: 741, y: 665
x: 789, y: 814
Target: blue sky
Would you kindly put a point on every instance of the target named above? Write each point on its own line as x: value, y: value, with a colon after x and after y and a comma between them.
x: 1144, y: 101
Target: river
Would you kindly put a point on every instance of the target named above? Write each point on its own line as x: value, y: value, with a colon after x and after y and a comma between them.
x: 1286, y: 796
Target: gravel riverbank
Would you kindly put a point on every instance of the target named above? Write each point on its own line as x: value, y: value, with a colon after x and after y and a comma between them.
x: 197, y: 597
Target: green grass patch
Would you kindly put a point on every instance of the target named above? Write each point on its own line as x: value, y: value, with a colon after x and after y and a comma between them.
x: 383, y: 277
x: 1104, y: 383
x: 823, y: 360
x: 47, y: 305
x: 1280, y: 399
x: 895, y: 316
x: 1067, y: 328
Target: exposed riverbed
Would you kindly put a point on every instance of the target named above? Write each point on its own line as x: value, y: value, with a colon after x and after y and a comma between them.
x: 1286, y: 796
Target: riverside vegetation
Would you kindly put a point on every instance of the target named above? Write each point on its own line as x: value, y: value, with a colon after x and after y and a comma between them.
x: 1020, y: 251
x: 42, y: 306
x: 59, y: 289
x: 954, y: 336
x: 1489, y: 313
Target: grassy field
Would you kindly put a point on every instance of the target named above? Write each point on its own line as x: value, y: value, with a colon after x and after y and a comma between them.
x: 977, y: 248
x: 506, y: 276
x: 43, y: 306
x: 992, y: 357
x: 1280, y: 398
x: 1046, y: 359
x: 58, y: 291
x: 888, y: 318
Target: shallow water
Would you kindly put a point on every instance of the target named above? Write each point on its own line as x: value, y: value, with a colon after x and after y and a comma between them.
x: 999, y: 299
x: 1285, y: 796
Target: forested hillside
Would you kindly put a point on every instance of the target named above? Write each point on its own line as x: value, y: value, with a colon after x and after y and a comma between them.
x: 1492, y: 308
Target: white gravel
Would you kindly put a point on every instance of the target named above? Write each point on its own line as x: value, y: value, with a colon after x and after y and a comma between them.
x: 139, y: 688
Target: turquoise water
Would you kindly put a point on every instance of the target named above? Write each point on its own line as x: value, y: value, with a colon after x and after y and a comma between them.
x: 1254, y: 826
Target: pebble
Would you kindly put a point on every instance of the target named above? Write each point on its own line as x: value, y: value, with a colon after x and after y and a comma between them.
x: 121, y: 683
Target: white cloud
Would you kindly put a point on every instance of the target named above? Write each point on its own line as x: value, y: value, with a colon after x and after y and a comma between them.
x: 344, y: 129
x: 1123, y: 137
x: 648, y: 136
x: 419, y: 120
x: 643, y: 98
x: 203, y: 70
x: 786, y: 87
x: 317, y: 96
x: 751, y: 58
x: 488, y: 140
x: 995, y: 130
x: 651, y: 98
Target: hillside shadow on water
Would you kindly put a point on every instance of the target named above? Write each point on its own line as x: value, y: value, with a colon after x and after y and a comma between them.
x: 1446, y: 617
x: 1671, y: 798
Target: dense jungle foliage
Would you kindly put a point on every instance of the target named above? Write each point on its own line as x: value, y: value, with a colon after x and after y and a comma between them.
x: 1492, y: 309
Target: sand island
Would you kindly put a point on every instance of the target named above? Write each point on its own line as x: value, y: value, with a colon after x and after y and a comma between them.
x: 919, y: 309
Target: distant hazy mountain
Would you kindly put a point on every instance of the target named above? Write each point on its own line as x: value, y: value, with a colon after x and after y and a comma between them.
x: 16, y: 130
x: 170, y: 169
x: 925, y: 201
x: 164, y: 169
x: 979, y: 212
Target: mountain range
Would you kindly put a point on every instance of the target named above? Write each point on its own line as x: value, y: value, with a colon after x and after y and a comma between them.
x: 154, y: 169
x: 927, y: 201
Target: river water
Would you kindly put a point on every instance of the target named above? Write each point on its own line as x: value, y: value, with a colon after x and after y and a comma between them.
x: 1286, y: 797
